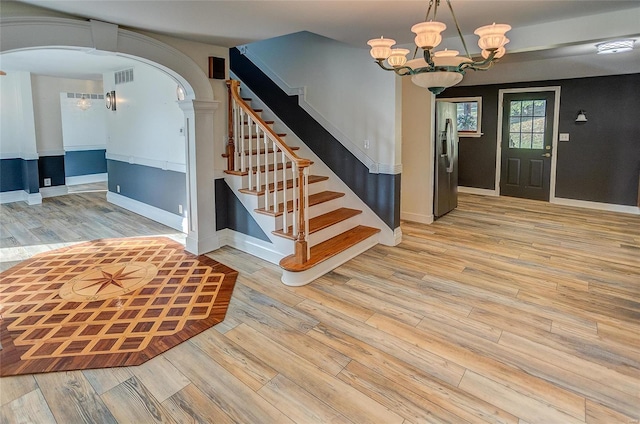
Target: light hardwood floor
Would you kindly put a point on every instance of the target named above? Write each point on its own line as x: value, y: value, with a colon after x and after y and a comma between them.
x: 505, y: 310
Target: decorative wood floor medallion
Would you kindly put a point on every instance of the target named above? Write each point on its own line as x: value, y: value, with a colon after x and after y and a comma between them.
x: 107, y: 303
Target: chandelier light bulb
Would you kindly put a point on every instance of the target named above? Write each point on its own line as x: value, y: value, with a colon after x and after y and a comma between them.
x: 428, y: 34
x: 398, y: 57
x: 446, y: 53
x: 381, y: 47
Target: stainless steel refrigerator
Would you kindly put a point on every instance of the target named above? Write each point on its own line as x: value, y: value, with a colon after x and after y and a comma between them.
x: 446, y: 160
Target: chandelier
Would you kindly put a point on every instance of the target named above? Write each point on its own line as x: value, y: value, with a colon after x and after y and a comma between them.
x: 437, y: 70
x: 83, y: 103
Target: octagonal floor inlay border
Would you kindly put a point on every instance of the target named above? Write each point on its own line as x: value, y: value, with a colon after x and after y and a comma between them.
x: 107, y: 303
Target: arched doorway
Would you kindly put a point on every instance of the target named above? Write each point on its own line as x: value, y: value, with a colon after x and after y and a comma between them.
x: 198, y: 107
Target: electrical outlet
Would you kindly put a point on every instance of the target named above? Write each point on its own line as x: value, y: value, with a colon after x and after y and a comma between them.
x: 367, y: 144
x: 118, y: 188
x: 564, y: 137
x: 47, y: 182
x: 180, y: 209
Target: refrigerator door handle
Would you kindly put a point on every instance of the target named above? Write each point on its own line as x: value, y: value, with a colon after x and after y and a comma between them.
x: 450, y: 150
x: 444, y: 143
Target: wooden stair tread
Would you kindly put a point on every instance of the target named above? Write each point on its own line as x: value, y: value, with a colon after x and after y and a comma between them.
x: 255, y: 152
x: 330, y: 248
x: 312, y: 179
x: 321, y: 222
x: 314, y: 199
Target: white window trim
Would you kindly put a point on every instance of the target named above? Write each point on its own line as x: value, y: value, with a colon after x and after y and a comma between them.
x: 477, y: 99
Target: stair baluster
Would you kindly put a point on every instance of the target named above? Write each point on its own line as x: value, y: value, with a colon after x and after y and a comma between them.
x: 266, y: 174
x: 275, y: 175
x: 258, y: 173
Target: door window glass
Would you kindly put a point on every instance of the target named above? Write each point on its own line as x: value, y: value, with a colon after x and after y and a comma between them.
x: 527, y: 122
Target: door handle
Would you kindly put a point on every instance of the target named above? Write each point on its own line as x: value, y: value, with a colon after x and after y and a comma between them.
x: 546, y: 155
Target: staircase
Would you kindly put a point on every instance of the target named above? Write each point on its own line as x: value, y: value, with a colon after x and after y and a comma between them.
x: 307, y: 223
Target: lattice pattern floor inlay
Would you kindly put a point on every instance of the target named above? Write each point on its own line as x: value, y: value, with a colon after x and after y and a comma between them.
x: 107, y: 303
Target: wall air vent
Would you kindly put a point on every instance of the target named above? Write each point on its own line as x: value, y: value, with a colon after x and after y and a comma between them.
x: 86, y: 95
x: 123, y: 77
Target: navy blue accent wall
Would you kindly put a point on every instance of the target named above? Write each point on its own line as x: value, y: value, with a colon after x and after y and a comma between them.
x: 156, y: 187
x: 11, y: 175
x: 30, y: 179
x: 85, y: 162
x: 19, y: 174
x: 231, y: 213
x: 600, y: 163
x: 381, y: 192
x: 51, y: 167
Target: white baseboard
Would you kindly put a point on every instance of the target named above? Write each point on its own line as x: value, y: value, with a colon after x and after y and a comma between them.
x: 33, y: 198
x: 417, y: 217
x: 200, y: 246
x: 169, y: 219
x: 596, y: 205
x: 251, y: 245
x: 20, y: 196
x: 474, y: 190
x: 86, y: 179
x: 54, y: 191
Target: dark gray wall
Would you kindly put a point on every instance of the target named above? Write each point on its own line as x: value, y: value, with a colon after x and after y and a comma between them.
x: 600, y: 163
x: 51, y: 167
x: 231, y: 213
x: 85, y: 162
x: 156, y: 187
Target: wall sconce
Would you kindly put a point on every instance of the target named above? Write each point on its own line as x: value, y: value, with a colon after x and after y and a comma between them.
x: 110, y: 100
x: 581, y: 118
x: 180, y: 93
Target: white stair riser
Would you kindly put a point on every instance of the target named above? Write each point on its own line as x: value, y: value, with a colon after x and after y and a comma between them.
x: 305, y: 277
x: 333, y: 230
x: 329, y: 232
x: 315, y: 210
x: 313, y: 189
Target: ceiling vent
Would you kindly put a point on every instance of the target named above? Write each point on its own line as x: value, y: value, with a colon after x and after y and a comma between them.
x: 123, y: 77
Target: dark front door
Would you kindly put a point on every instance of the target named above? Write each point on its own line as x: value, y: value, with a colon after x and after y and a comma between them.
x: 527, y: 130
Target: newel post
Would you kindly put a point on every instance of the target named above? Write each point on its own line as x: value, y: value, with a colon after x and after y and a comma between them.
x: 231, y: 147
x: 301, y: 242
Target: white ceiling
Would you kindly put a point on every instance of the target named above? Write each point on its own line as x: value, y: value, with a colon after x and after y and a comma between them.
x: 236, y: 22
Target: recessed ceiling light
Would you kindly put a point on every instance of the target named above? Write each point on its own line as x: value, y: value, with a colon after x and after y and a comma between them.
x: 615, y: 46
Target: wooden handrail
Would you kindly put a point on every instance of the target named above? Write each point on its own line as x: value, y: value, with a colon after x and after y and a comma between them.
x: 234, y: 89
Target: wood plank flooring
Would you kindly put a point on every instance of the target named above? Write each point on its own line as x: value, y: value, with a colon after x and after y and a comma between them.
x: 503, y: 311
